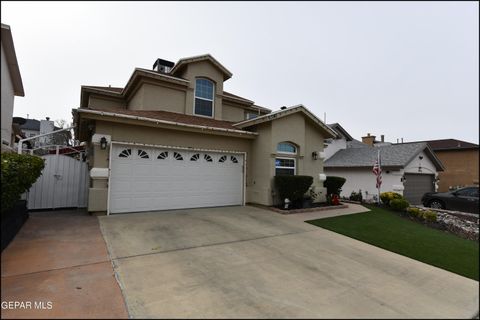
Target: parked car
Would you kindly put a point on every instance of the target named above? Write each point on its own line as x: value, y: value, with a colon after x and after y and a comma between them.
x: 464, y: 199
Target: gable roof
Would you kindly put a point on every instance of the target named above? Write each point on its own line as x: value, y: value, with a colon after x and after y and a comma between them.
x: 165, y: 117
x: 285, y: 112
x: 393, y: 156
x: 356, y: 144
x: 204, y: 57
x: 341, y: 131
x: 11, y: 57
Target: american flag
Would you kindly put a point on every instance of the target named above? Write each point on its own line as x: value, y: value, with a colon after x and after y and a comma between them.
x: 377, y: 170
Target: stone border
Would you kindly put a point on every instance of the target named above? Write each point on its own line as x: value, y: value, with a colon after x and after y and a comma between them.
x: 462, y: 215
x: 341, y: 206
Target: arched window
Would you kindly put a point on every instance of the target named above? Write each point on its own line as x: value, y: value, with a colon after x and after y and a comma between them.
x: 285, y: 147
x: 204, y: 93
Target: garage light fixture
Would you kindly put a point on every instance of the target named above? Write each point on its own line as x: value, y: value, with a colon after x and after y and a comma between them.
x: 314, y: 155
x: 103, y: 143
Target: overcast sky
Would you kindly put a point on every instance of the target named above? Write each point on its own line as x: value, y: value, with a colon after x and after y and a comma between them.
x: 402, y: 69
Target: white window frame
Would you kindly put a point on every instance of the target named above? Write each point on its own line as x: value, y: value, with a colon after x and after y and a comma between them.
x: 286, y: 152
x: 195, y: 98
x: 251, y: 113
x: 281, y: 167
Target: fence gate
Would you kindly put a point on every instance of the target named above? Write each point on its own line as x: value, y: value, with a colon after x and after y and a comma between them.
x: 63, y: 184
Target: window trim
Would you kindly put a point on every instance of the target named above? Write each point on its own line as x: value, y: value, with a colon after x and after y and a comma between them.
x: 287, y: 152
x: 281, y: 167
x: 195, y: 98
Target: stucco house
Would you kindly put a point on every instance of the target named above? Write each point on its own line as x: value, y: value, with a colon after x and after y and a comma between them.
x: 410, y: 169
x: 12, y: 85
x: 173, y: 138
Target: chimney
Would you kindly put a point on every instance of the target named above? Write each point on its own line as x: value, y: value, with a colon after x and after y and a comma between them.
x: 382, y: 138
x: 163, y: 66
x: 402, y: 140
x: 48, y: 118
x: 368, y: 139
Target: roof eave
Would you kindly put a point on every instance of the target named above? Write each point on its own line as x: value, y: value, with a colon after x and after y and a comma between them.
x: 11, y: 57
x: 184, y: 61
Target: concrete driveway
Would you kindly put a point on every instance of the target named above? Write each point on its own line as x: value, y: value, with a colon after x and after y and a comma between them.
x: 246, y: 262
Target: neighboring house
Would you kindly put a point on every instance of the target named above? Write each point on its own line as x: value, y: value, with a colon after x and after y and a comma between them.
x: 32, y: 127
x: 173, y: 138
x: 12, y: 86
x: 410, y: 169
x: 460, y: 159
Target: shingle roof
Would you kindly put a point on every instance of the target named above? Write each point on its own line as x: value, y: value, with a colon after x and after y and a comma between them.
x: 171, y: 116
x: 356, y: 144
x: 31, y: 124
x: 398, y: 155
x: 450, y: 144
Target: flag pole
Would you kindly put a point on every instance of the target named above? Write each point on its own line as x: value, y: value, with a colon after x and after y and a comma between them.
x: 379, y: 168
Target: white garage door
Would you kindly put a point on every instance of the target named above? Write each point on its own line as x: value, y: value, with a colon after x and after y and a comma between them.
x: 146, y: 179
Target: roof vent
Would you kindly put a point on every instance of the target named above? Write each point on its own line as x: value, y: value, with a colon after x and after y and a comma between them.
x: 163, y: 66
x: 283, y: 108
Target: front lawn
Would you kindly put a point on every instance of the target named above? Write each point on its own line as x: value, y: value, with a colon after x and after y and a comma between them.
x: 386, y: 230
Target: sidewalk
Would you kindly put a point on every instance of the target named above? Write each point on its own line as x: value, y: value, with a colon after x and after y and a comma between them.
x: 58, y: 266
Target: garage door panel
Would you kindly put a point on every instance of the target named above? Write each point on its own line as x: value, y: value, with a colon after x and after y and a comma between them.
x: 164, y: 182
x: 416, y: 185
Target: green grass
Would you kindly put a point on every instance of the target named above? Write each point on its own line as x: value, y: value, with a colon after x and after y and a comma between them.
x: 386, y: 230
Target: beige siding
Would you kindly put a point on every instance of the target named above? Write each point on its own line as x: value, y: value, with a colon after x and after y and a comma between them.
x: 136, y: 101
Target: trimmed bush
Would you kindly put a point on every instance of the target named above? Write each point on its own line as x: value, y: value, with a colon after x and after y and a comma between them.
x: 386, y: 197
x: 334, y: 184
x: 292, y: 187
x: 414, y: 212
x: 430, y: 216
x: 399, y: 204
x: 19, y: 172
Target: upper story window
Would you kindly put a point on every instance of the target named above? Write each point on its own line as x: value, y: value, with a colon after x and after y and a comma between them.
x: 204, y: 93
x: 250, y: 115
x: 285, y: 147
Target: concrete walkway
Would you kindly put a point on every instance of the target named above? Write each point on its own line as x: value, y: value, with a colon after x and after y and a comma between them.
x: 246, y: 262
x: 58, y: 266
x: 305, y: 216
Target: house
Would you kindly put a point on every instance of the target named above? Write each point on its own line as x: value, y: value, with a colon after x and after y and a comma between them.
x: 460, y: 159
x: 410, y: 169
x: 11, y: 86
x: 173, y: 138
x: 32, y: 127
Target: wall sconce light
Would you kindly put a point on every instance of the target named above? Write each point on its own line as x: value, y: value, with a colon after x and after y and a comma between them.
x: 103, y: 143
x: 314, y: 155
x: 420, y: 157
x: 403, y: 179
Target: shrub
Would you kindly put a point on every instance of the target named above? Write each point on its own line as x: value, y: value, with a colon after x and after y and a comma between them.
x: 414, y: 212
x: 354, y: 196
x: 430, y: 216
x: 399, y: 204
x: 386, y: 197
x: 334, y: 184
x: 292, y: 187
x: 19, y: 172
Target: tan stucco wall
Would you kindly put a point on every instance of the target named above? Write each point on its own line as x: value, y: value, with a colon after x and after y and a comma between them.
x: 461, y: 168
x: 232, y: 113
x: 156, y: 97
x: 99, y: 101
x: 295, y: 129
x: 204, y: 69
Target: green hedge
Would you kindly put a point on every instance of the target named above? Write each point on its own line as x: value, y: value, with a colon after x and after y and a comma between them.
x: 334, y: 184
x: 19, y: 172
x: 399, y: 204
x: 386, y: 197
x: 292, y: 187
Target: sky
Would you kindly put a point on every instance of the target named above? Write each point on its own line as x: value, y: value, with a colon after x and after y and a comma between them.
x: 402, y: 69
